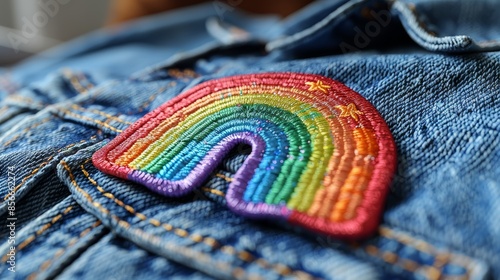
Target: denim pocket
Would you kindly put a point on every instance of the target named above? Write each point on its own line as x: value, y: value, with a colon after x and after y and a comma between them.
x: 28, y: 157
x: 26, y: 101
x: 201, y: 233
x: 129, y: 262
x: 451, y: 26
x: 45, y: 247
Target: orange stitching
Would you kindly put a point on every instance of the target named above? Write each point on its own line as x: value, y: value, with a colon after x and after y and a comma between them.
x: 407, y: 240
x: 85, y: 78
x: 440, y: 260
x: 199, y: 255
x: 390, y: 257
x: 45, y: 265
x: 26, y: 130
x: 394, y: 259
x: 228, y: 249
x: 182, y: 74
x: 40, y: 167
x: 420, y: 245
x: 236, y: 272
x: 67, y: 112
x: 433, y: 272
x: 76, y: 107
x: 214, y: 191
x: 42, y: 229
x: 152, y: 97
x: 75, y: 81
x: 222, y: 176
x: 25, y: 99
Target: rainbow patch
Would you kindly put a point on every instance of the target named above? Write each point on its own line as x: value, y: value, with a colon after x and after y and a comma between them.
x: 322, y: 157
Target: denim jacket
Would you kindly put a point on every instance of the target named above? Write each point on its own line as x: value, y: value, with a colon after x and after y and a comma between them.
x: 430, y: 68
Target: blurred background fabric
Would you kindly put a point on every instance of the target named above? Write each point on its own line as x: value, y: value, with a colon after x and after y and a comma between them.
x: 28, y: 27
x: 31, y: 26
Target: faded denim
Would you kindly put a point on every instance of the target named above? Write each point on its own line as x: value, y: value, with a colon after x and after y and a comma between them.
x: 437, y: 93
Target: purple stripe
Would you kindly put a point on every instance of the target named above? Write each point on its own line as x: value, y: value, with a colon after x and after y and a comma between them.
x: 203, y: 170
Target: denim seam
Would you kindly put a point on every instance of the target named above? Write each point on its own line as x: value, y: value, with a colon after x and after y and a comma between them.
x: 337, y: 15
x: 441, y: 259
x: 421, y: 23
x: 237, y: 272
x: 95, y: 111
x: 26, y: 100
x: 404, y: 10
x: 222, y: 176
x: 45, y: 265
x: 227, y: 249
x: 213, y: 191
x: 392, y: 258
x: 182, y: 74
x: 433, y: 271
x: 41, y: 230
x: 35, y: 171
x: 13, y: 139
x: 78, y: 116
x: 76, y: 81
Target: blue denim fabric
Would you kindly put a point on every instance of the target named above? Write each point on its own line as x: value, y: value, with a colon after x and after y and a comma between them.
x: 135, y: 263
x: 467, y: 26
x: 440, y: 219
x: 81, y: 64
x: 112, y: 52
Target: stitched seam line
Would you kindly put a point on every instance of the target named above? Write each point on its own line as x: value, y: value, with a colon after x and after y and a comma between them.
x: 433, y: 272
x: 243, y: 255
x: 26, y: 130
x: 429, y: 271
x: 394, y: 259
x: 153, y: 97
x: 45, y: 265
x: 182, y: 74
x: 418, y: 244
x: 67, y: 112
x: 236, y: 272
x: 419, y: 21
x: 441, y: 259
x: 228, y: 249
x: 36, y: 170
x: 108, y: 116
x: 75, y: 81
x: 26, y: 100
x: 41, y: 230
x: 222, y: 176
x: 213, y: 191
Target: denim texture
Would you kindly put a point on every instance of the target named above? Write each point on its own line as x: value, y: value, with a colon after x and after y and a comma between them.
x: 468, y: 26
x: 74, y: 68
x: 440, y: 218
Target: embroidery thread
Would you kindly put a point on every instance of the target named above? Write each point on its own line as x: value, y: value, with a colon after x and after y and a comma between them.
x: 322, y: 157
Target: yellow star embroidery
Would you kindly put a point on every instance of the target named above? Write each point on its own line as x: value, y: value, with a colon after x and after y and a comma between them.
x: 318, y: 85
x: 349, y: 111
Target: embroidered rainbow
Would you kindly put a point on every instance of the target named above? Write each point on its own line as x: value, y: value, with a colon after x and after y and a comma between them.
x: 322, y: 157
